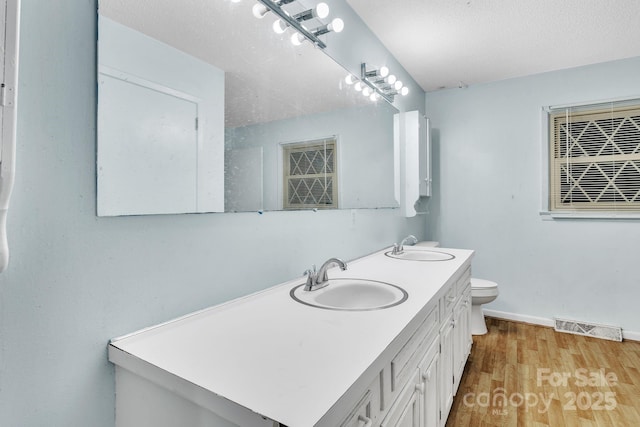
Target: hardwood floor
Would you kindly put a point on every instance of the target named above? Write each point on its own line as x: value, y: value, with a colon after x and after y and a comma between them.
x: 527, y: 375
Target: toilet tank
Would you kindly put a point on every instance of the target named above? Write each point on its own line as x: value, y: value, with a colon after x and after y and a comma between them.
x: 428, y: 243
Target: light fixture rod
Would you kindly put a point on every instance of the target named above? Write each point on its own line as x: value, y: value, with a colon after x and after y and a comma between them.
x: 304, y: 16
x: 321, y: 30
x: 364, y: 77
x: 275, y: 8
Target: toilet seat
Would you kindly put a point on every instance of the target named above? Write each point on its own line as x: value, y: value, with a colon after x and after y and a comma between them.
x: 483, y: 288
x: 483, y: 284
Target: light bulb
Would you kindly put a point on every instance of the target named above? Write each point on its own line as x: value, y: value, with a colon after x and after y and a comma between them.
x: 383, y: 72
x: 358, y: 86
x: 337, y: 25
x: 366, y: 91
x: 322, y: 10
x: 350, y: 79
x: 391, y: 79
x: 404, y: 91
x: 259, y: 10
x: 374, y: 96
x: 297, y: 39
x: 279, y: 26
x: 398, y: 85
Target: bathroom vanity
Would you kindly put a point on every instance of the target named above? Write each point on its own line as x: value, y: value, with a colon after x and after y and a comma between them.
x: 271, y: 360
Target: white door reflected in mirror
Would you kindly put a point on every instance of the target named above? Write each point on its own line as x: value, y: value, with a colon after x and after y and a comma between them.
x: 160, y: 127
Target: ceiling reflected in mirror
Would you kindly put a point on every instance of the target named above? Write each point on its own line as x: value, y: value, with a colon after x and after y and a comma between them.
x: 266, y: 77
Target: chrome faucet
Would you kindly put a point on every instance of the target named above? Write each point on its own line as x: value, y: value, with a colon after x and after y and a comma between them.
x: 410, y: 240
x: 318, y: 279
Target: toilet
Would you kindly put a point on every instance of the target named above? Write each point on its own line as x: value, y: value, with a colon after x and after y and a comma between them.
x: 482, y: 292
x: 428, y: 244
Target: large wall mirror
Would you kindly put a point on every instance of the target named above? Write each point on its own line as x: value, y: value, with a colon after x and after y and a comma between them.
x: 203, y: 108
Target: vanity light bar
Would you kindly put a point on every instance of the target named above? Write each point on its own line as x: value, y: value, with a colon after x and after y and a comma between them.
x: 294, y: 21
x: 381, y: 82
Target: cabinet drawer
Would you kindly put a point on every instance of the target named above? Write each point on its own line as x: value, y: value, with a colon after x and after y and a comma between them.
x: 406, y: 360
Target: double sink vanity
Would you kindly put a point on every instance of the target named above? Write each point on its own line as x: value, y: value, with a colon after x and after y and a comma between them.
x: 382, y: 343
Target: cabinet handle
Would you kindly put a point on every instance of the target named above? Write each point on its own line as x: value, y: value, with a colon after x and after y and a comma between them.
x: 420, y: 388
x: 366, y: 420
x: 453, y: 322
x: 427, y: 376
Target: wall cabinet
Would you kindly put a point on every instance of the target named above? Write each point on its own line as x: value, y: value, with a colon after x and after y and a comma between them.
x: 412, y: 160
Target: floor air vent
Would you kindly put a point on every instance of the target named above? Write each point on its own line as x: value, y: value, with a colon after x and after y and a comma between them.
x: 613, y: 333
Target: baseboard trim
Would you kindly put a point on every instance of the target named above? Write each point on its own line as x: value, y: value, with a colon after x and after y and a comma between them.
x: 543, y: 321
x: 630, y: 335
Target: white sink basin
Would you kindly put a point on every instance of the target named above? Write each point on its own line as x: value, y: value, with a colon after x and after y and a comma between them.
x: 421, y: 255
x: 351, y: 295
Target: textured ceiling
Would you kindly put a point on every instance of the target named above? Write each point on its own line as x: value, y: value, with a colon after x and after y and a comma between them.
x: 442, y: 43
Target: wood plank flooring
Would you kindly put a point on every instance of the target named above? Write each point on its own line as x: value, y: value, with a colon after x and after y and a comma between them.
x: 526, y: 375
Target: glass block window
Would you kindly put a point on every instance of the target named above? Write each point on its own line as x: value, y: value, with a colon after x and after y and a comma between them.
x: 310, y: 175
x: 595, y: 158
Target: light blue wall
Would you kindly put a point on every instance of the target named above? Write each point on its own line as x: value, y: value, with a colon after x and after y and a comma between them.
x: 487, y: 187
x: 75, y: 280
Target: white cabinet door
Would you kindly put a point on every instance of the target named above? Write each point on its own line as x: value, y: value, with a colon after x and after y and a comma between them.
x: 405, y: 411
x: 467, y: 320
x: 430, y: 410
x: 409, y: 415
x: 445, y: 368
x: 462, y: 337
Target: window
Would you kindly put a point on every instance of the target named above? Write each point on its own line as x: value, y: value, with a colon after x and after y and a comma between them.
x: 594, y: 158
x: 310, y: 174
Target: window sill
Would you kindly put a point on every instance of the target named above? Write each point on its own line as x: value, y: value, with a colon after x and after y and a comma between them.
x: 550, y: 216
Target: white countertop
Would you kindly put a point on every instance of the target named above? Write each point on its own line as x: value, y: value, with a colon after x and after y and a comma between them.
x: 281, y: 359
